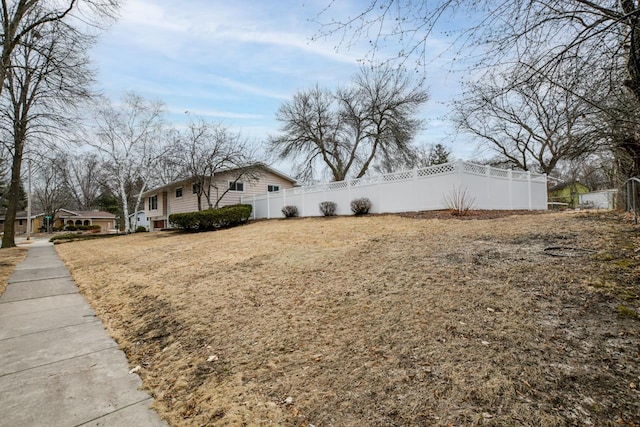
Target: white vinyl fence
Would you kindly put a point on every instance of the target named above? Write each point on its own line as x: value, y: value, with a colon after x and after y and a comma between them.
x: 415, y: 190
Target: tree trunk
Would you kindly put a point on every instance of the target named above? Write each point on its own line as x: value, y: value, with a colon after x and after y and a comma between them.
x: 125, y: 206
x: 8, y: 238
x: 137, y: 206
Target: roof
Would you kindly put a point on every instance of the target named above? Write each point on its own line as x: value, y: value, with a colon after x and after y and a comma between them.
x: 564, y: 185
x: 65, y: 213
x: 185, y: 180
x: 23, y: 215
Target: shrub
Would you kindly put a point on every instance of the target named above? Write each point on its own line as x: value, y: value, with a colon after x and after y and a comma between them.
x: 290, y: 211
x: 211, y: 219
x: 328, y: 208
x: 360, y: 206
x: 141, y: 229
x: 71, y: 228
x: 458, y: 201
x: 87, y: 227
x: 71, y: 237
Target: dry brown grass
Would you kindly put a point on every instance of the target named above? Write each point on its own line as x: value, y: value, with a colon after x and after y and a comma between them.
x: 9, y: 258
x: 379, y: 320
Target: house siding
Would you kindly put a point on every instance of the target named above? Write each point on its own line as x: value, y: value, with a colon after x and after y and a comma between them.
x: 168, y: 203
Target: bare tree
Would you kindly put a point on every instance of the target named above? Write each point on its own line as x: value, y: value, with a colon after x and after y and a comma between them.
x: 554, y: 32
x: 529, y: 122
x: 127, y: 139
x: 49, y: 76
x: 205, y: 149
x: 24, y: 19
x: 597, y: 171
x: 373, y: 119
x: 83, y: 177
x: 167, y: 168
x: 50, y: 190
x: 422, y: 156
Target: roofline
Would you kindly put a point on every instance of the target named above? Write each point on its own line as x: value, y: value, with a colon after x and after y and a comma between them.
x: 185, y: 180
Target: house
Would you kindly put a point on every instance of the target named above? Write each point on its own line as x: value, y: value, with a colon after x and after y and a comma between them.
x: 41, y: 222
x: 139, y: 220
x: 603, y: 199
x: 567, y: 192
x: 228, y: 186
x: 20, y: 227
x: 64, y: 217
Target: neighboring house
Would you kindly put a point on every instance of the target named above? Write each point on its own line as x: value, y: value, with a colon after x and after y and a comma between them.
x: 20, y: 227
x: 604, y: 199
x: 181, y: 196
x: 106, y: 220
x: 142, y: 220
x: 567, y: 192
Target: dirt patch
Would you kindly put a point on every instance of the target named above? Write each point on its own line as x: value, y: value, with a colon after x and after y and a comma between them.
x: 9, y: 258
x: 378, y: 320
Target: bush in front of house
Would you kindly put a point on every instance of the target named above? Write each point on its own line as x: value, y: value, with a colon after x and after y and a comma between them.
x: 82, y: 228
x: 328, y: 208
x: 141, y: 229
x: 290, y: 211
x: 211, y: 219
x: 360, y: 206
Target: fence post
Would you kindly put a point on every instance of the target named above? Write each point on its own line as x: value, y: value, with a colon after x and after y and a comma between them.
x: 529, y: 186
x: 268, y: 207
x: 488, y: 178
x: 460, y: 167
x: 510, y: 176
x: 253, y: 209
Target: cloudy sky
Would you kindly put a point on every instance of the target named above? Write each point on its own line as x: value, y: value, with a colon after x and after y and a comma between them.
x: 237, y: 62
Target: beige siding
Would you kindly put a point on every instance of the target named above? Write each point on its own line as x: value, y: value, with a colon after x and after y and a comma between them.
x: 253, y: 187
x: 187, y: 203
x: 168, y: 203
x: 105, y: 224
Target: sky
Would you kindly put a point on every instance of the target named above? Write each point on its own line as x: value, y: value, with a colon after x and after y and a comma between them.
x: 235, y: 62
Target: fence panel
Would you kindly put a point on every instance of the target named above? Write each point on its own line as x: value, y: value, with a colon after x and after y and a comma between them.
x: 417, y: 190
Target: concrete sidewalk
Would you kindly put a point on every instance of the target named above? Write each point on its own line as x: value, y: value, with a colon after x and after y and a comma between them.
x: 58, y: 366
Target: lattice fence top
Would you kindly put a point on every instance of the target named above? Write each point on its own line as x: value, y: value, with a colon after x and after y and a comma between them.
x: 437, y: 169
x: 473, y: 168
x: 499, y: 173
x: 428, y: 172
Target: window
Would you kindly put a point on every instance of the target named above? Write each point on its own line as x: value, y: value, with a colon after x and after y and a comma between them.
x: 273, y: 188
x: 236, y: 185
x: 195, y: 188
x: 19, y: 222
x: 153, y: 203
x: 178, y: 192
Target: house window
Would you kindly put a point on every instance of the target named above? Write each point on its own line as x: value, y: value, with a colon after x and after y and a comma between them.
x: 178, y: 193
x: 195, y: 188
x: 153, y: 203
x: 273, y: 188
x: 19, y: 222
x: 236, y: 185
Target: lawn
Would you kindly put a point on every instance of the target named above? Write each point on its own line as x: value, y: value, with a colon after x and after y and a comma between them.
x: 9, y: 258
x: 378, y: 320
